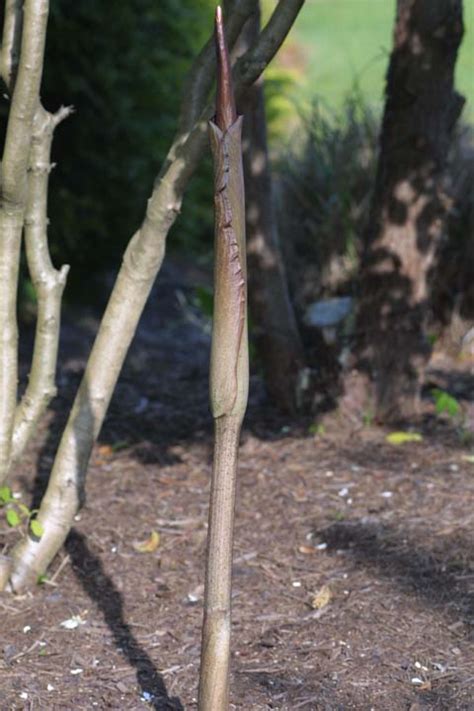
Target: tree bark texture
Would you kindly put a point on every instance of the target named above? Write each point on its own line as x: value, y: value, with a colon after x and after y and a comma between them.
x: 409, y: 204
x: 141, y: 263
x: 277, y: 337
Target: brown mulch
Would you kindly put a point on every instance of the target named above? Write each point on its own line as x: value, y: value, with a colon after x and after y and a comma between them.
x: 354, y: 562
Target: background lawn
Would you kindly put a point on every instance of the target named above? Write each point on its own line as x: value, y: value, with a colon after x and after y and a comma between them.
x: 338, y: 43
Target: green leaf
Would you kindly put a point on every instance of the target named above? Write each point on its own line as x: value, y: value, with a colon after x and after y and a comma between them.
x: 398, y: 438
x: 36, y: 528
x: 445, y: 402
x: 24, y: 510
x: 13, y: 519
x: 5, y: 495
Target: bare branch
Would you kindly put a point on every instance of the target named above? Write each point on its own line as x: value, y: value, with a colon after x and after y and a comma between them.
x: 251, y: 65
x: 12, y: 26
x: 48, y: 282
x: 25, y: 101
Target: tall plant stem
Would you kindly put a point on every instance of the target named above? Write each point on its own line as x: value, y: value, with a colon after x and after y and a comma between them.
x: 229, y: 379
x: 216, y: 634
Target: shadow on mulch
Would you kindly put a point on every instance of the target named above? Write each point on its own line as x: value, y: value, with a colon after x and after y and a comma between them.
x: 99, y: 587
x: 417, y: 570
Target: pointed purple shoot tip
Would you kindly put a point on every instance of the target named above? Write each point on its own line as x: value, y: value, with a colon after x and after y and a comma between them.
x: 226, y: 113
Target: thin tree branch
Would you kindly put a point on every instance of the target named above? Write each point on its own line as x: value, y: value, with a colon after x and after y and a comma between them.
x: 48, y: 282
x: 252, y: 63
x: 141, y: 263
x: 25, y: 101
x: 11, y: 40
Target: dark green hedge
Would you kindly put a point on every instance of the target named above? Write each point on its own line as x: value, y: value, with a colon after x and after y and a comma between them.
x: 121, y: 65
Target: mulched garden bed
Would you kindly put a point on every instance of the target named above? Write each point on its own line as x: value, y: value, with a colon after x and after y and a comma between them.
x: 354, y: 558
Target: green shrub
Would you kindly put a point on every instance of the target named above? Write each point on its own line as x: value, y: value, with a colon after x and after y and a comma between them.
x: 324, y: 187
x: 121, y: 66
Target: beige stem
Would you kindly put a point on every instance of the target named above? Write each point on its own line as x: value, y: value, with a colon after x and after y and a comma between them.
x: 215, y: 655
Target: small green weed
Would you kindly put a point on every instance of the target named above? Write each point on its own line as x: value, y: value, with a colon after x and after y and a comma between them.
x: 18, y: 515
x: 317, y: 429
x: 445, y: 403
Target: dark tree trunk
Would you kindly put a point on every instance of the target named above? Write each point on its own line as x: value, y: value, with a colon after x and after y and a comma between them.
x: 410, y: 205
x: 274, y: 326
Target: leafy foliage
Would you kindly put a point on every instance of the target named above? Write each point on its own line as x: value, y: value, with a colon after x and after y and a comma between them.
x: 18, y: 515
x: 445, y: 403
x: 325, y: 182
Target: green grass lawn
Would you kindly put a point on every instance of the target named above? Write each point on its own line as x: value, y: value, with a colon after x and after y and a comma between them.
x: 348, y: 41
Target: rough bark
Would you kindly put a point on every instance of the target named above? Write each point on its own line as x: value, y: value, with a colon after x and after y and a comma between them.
x: 141, y: 263
x: 229, y: 380
x: 24, y: 104
x: 278, y: 340
x: 409, y: 204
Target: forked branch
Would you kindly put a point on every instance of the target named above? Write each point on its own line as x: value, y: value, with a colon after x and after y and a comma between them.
x: 48, y: 283
x: 23, y: 107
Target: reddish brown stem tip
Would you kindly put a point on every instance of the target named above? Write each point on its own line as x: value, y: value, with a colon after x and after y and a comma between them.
x: 226, y: 113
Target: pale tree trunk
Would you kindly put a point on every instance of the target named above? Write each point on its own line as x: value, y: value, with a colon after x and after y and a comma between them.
x: 23, y: 79
x: 141, y: 263
x: 48, y: 282
x: 274, y: 325
x: 409, y: 204
x: 29, y: 188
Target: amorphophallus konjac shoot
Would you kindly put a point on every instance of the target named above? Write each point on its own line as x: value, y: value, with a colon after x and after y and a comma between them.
x: 229, y: 378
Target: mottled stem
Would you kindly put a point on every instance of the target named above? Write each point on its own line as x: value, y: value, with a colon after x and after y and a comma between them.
x: 229, y: 379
